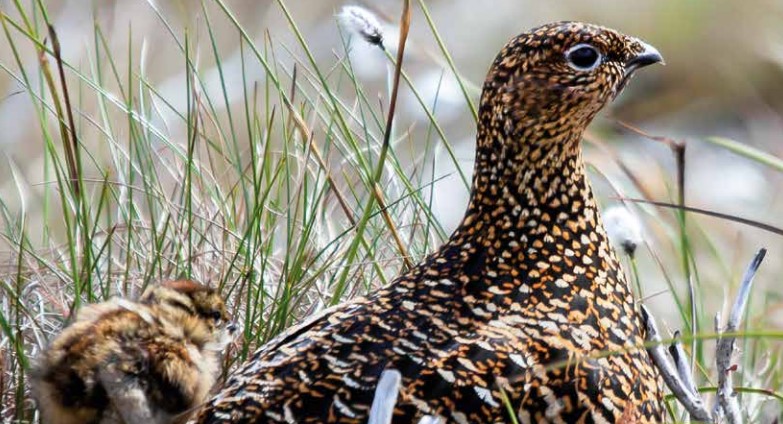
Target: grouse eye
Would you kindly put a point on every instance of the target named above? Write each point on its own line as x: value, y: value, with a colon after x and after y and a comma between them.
x: 216, y: 316
x: 583, y: 57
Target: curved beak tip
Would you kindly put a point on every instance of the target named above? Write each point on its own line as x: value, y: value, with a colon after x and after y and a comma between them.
x: 649, y: 56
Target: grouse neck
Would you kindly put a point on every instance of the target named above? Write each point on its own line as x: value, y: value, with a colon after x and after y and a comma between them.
x: 531, y: 207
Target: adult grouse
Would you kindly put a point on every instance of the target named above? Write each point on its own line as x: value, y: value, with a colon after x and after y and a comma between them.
x: 521, y: 300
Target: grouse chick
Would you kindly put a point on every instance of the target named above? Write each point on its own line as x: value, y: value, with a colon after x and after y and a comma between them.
x: 134, y: 362
x: 521, y: 300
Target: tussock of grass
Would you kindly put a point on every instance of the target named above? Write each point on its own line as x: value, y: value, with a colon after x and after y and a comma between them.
x: 267, y: 196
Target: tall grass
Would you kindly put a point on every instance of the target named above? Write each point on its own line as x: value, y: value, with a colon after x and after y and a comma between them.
x: 265, y: 195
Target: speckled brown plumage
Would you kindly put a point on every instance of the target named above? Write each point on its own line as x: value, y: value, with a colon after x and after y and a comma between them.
x: 134, y: 362
x: 523, y: 296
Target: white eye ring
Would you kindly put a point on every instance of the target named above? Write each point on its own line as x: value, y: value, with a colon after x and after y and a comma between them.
x: 583, y: 57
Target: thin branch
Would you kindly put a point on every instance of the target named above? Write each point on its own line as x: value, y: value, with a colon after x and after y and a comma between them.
x: 681, y: 362
x: 742, y: 297
x: 693, y: 404
x: 733, y: 218
x: 678, y: 149
x: 405, y: 25
x: 670, y: 142
x: 717, y: 409
x: 727, y: 400
x: 615, y: 157
x: 684, y: 369
x: 405, y: 22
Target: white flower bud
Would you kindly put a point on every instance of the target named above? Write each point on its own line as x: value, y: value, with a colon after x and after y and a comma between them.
x: 623, y: 228
x: 361, y: 21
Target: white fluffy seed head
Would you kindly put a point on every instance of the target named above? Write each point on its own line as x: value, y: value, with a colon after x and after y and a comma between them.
x: 623, y: 228
x: 362, y: 22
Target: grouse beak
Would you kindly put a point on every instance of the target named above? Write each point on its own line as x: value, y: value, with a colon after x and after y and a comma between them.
x: 648, y: 56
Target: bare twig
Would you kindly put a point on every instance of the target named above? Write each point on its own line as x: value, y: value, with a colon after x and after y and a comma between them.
x: 615, y: 157
x: 744, y: 292
x: 678, y: 148
x: 670, y: 142
x: 681, y: 362
x: 716, y: 408
x: 733, y: 218
x: 693, y: 403
x: 405, y: 22
x: 684, y: 369
x: 727, y: 403
x: 385, y: 400
x: 405, y: 25
x: 384, y: 209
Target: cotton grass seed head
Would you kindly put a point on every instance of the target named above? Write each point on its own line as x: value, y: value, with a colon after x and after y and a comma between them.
x: 362, y: 22
x: 623, y: 228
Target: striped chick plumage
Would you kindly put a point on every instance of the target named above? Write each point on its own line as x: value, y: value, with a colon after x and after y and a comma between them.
x: 519, y: 302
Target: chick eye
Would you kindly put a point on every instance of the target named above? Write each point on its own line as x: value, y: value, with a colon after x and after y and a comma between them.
x: 216, y: 316
x: 583, y: 57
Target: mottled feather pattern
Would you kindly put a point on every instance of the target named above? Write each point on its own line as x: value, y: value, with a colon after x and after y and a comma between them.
x: 122, y: 361
x: 524, y: 297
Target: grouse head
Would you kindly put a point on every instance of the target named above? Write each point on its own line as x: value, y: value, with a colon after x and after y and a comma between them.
x: 548, y: 83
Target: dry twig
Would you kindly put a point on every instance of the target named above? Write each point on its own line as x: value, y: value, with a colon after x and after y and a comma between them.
x: 678, y: 376
x: 727, y: 404
x: 693, y: 403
